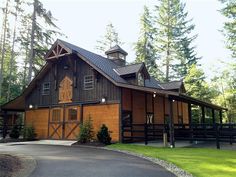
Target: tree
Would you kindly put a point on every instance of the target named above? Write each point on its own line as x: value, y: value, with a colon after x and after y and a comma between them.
x: 229, y: 11
x: 173, y: 41
x: 110, y: 39
x: 144, y: 48
x: 224, y: 84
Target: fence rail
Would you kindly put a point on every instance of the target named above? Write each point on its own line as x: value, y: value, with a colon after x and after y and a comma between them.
x: 192, y: 132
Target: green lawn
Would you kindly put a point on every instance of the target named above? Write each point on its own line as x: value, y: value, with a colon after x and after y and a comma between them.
x: 201, y: 162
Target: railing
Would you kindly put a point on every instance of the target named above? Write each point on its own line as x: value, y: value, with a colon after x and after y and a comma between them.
x: 192, y: 132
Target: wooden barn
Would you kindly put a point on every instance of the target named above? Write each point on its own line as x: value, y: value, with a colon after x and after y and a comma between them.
x: 76, y: 84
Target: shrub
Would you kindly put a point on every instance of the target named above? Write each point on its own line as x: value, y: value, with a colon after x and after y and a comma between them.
x: 29, y: 133
x: 103, y: 135
x: 86, y: 131
x: 15, y: 132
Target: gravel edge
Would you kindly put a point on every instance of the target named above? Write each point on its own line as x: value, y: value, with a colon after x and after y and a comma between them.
x: 167, y: 165
x: 28, y: 164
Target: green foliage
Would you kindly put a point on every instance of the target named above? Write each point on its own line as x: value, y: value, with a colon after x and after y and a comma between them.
x: 224, y: 85
x: 173, y: 40
x: 229, y: 11
x: 86, y: 133
x: 29, y: 133
x: 110, y: 39
x: 103, y: 135
x: 145, y: 48
x: 15, y: 132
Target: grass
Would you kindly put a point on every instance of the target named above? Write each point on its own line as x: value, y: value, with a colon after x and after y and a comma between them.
x: 201, y: 162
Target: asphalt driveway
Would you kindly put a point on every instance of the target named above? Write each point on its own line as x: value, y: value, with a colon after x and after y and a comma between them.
x: 62, y: 161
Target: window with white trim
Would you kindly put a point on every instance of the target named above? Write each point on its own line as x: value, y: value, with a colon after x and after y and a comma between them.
x: 46, y: 88
x: 88, y: 82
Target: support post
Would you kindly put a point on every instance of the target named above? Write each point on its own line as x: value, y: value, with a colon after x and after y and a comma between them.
x: 145, y: 133
x: 190, y: 122
x: 213, y: 116
x: 171, y: 125
x: 203, y: 114
x: 217, y: 136
x: 220, y: 112
x: 4, y: 131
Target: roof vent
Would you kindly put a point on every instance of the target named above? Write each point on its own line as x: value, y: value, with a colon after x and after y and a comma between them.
x: 117, y: 54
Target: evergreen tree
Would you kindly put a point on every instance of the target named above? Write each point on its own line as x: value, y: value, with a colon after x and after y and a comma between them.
x: 144, y: 48
x: 229, y: 11
x: 173, y: 42
x: 110, y: 39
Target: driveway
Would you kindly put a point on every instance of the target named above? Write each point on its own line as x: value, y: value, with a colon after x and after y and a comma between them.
x: 64, y: 161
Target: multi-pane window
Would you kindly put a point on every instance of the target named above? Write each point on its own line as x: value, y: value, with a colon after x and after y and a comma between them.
x: 72, y: 114
x: 46, y: 88
x: 88, y: 82
x: 140, y: 79
x: 56, y: 115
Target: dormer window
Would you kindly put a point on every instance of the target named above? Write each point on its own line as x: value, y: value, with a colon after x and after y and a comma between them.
x: 140, y: 79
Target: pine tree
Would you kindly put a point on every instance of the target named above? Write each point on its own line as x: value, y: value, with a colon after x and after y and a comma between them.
x: 173, y: 42
x: 229, y: 11
x: 110, y: 39
x: 144, y: 48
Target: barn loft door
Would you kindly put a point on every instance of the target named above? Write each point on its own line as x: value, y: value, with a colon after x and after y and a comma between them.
x: 64, y: 122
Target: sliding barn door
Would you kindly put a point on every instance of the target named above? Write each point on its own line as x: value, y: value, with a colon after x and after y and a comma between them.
x: 56, y: 123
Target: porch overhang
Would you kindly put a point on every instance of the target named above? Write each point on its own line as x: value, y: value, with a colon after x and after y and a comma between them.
x: 17, y: 105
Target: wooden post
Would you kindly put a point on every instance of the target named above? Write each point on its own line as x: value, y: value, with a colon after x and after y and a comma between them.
x: 217, y: 136
x: 213, y: 116
x: 165, y: 139
x: 171, y: 125
x: 145, y: 134
x: 220, y: 116
x: 203, y: 115
x: 4, y: 131
x: 190, y: 122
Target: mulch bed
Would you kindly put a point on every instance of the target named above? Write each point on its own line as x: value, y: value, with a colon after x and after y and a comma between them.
x: 9, y: 165
x: 94, y: 144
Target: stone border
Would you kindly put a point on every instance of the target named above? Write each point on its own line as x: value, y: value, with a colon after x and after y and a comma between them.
x: 28, y: 164
x: 167, y: 165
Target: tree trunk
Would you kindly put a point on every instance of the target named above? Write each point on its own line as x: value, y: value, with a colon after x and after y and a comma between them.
x: 3, y: 45
x: 12, y: 54
x: 32, y: 52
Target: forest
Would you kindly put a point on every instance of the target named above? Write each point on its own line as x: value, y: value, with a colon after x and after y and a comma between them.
x: 165, y: 44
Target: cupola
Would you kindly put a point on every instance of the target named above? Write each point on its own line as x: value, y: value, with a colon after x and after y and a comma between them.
x: 117, y: 54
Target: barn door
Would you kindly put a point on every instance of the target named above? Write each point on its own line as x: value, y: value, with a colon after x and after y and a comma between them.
x: 64, y: 122
x: 71, y: 123
x: 56, y: 123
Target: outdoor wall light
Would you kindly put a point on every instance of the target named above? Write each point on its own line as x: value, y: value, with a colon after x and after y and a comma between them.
x: 173, y: 100
x: 154, y: 95
x: 103, y: 100
x: 30, y: 106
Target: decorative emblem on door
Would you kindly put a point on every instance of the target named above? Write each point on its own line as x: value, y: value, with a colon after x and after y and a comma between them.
x: 65, y: 90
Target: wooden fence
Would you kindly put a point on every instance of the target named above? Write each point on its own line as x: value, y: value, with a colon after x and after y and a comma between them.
x: 191, y: 132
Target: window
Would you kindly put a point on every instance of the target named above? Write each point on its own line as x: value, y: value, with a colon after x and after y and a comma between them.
x: 72, y: 114
x: 56, y: 115
x: 140, y: 79
x: 88, y: 82
x: 46, y: 88
x: 150, y: 118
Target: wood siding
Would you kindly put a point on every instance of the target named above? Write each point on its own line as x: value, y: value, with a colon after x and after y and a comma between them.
x: 134, y: 101
x: 65, y: 67
x: 104, y: 114
x: 39, y: 120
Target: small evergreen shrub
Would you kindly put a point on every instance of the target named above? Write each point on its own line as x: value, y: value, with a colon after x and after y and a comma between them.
x: 29, y: 133
x: 15, y: 132
x: 103, y: 135
x: 86, y: 133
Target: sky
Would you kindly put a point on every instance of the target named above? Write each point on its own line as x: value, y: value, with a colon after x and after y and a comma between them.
x: 84, y: 22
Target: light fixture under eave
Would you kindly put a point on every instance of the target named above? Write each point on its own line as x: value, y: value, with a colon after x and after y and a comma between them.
x: 103, y: 100
x: 154, y: 95
x: 30, y: 106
